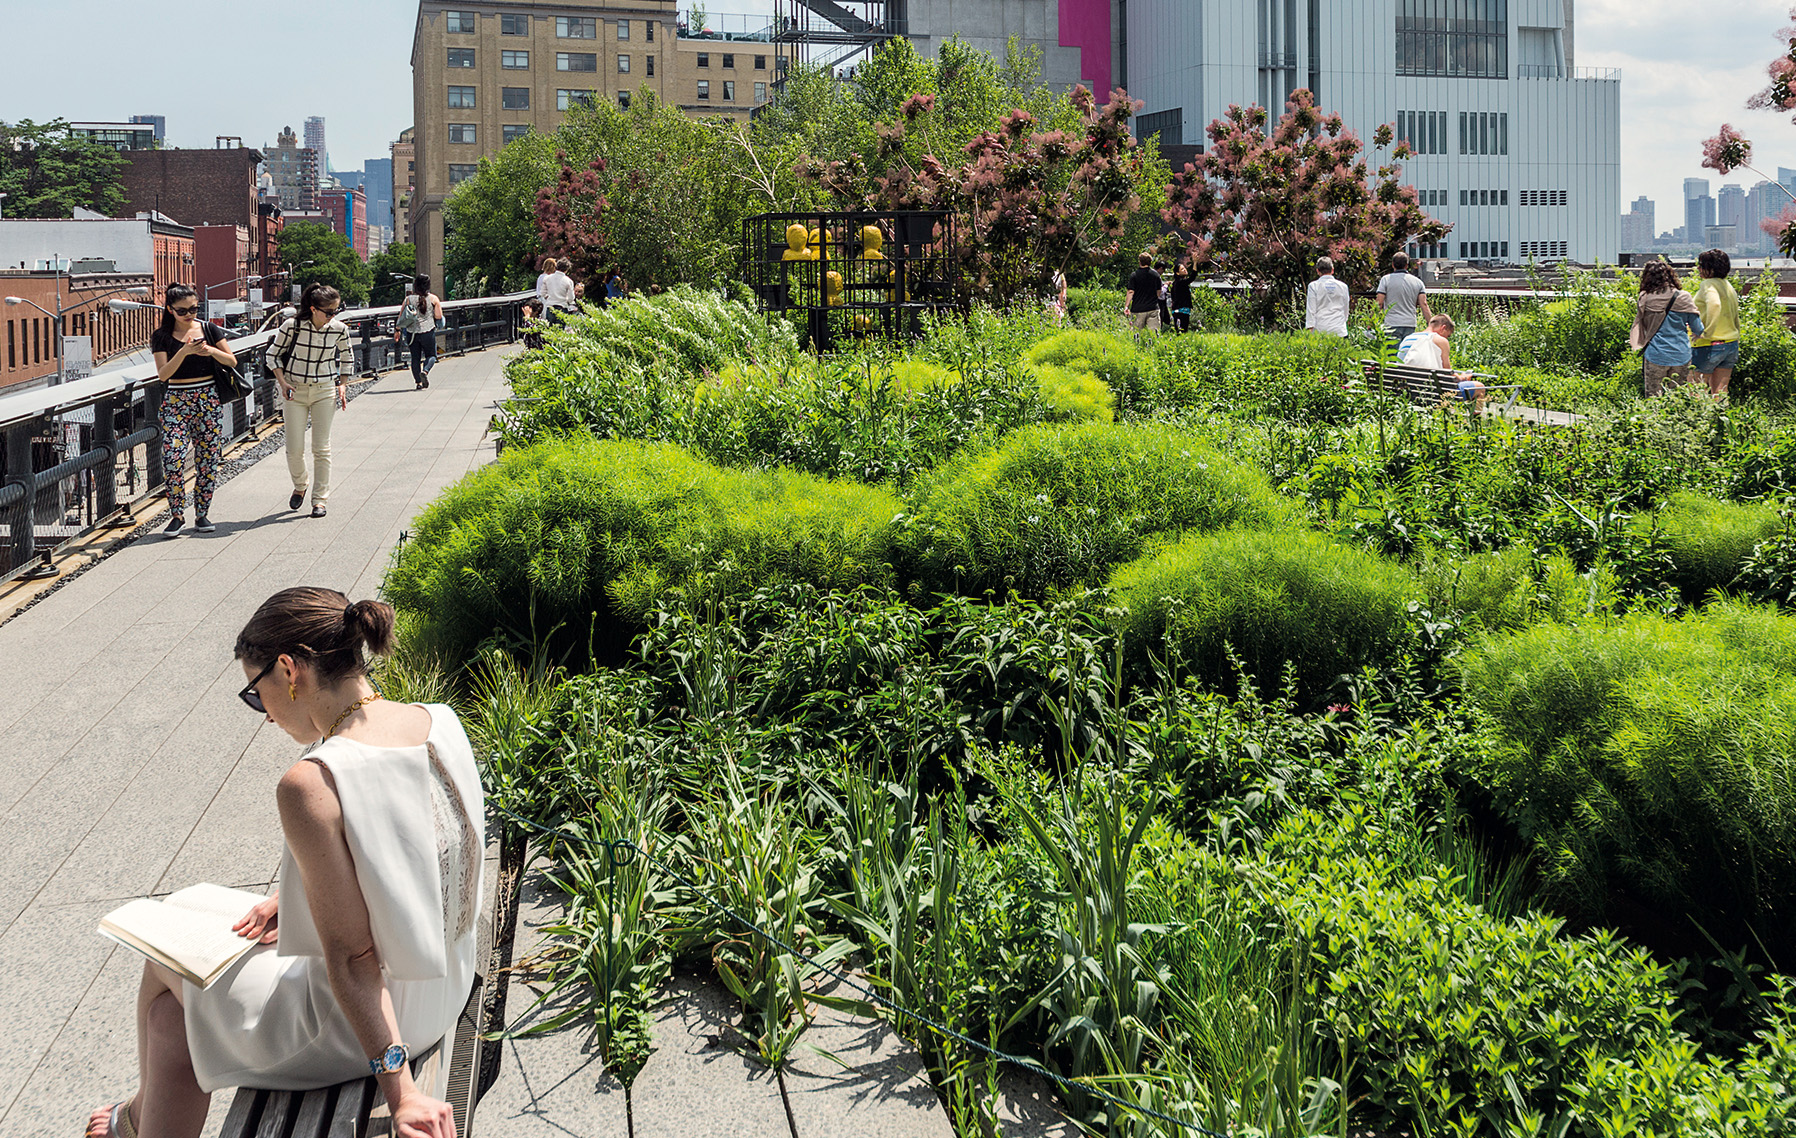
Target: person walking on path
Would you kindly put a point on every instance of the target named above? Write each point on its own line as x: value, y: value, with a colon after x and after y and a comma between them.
x: 1141, y: 301
x: 1403, y: 296
x: 187, y: 351
x: 366, y: 954
x: 1716, y: 352
x: 1665, y: 317
x: 558, y: 291
x: 312, y: 365
x: 1326, y: 301
x: 423, y: 342
x: 1179, y: 297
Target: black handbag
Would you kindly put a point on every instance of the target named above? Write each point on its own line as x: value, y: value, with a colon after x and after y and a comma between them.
x: 227, y: 381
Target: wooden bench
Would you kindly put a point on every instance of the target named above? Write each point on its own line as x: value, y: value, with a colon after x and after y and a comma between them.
x: 1435, y: 387
x: 355, y: 1109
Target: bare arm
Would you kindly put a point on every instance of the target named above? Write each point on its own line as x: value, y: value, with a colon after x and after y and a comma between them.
x: 1446, y: 351
x: 436, y: 307
x: 1381, y: 300
x: 1422, y: 308
x: 312, y: 820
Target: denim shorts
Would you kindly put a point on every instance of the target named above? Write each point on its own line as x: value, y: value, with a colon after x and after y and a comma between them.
x: 1707, y: 358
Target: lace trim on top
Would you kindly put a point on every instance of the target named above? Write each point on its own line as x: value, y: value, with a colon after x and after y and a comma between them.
x: 458, y: 862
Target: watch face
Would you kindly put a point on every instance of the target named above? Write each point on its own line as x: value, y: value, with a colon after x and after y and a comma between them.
x: 394, y: 1058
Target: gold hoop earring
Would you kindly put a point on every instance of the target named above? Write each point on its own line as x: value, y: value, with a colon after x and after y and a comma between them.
x: 292, y: 691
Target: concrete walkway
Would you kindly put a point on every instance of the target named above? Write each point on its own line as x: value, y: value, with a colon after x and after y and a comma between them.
x: 127, y: 764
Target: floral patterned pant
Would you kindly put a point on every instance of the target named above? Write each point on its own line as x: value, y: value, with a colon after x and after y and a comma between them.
x: 190, y: 417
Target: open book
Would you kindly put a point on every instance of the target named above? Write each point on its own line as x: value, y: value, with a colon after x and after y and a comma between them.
x: 188, y: 932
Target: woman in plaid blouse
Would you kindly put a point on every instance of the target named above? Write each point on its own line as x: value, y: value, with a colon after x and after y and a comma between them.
x: 312, y: 363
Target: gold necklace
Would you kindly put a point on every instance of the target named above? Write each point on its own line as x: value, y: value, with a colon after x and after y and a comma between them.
x: 348, y: 711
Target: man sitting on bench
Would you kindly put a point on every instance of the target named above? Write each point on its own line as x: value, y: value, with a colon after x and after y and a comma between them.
x: 1428, y: 347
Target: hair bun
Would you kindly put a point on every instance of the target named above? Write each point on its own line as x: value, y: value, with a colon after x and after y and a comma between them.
x: 371, y: 624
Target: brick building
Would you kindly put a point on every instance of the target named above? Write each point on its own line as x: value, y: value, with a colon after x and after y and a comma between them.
x: 30, y: 345
x: 484, y: 75
x: 405, y: 169
x: 348, y: 212
x: 222, y: 256
x: 202, y: 188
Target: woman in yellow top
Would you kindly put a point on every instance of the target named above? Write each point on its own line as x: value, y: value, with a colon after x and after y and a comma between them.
x: 1714, y: 354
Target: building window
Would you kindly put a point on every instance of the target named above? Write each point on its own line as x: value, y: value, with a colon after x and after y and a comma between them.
x: 760, y: 93
x: 514, y: 25
x: 648, y: 30
x: 729, y: 61
x: 461, y: 98
x: 514, y: 60
x: 623, y: 100
x: 1425, y: 131
x: 461, y: 132
x: 704, y: 59
x: 460, y: 172
x: 512, y: 131
x: 623, y: 29
x: 458, y: 23
x: 649, y: 60
x: 514, y: 98
x: 760, y: 63
x: 704, y: 88
x: 623, y: 65
x: 567, y: 100
x: 461, y: 57
x: 576, y: 61
x: 1483, y: 132
x: 729, y: 90
x: 1169, y: 125
x: 577, y: 27
x: 1466, y: 39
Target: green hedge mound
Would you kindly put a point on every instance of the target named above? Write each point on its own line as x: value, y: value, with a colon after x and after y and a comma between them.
x: 573, y: 541
x: 1708, y: 540
x: 1052, y: 507
x: 1652, y: 767
x: 1276, y: 599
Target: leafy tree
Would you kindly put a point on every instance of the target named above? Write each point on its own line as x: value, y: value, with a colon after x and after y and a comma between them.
x: 46, y: 173
x: 1264, y: 207
x: 1026, y: 201
x: 491, y: 217
x: 333, y: 262
x: 568, y: 214
x: 386, y: 288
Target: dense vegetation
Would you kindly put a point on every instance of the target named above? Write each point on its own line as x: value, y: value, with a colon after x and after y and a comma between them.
x: 1252, y: 749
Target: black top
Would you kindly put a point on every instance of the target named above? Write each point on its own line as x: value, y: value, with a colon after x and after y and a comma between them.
x: 1181, y: 292
x: 195, y: 372
x: 1145, y: 284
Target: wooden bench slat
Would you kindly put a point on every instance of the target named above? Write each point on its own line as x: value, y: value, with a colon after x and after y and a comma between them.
x: 277, y: 1115
x: 314, y: 1114
x: 245, y: 1108
x: 352, y: 1106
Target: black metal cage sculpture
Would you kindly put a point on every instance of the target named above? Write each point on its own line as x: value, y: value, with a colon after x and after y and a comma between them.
x: 855, y: 274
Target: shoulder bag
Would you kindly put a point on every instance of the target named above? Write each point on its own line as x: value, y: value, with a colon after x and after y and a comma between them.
x: 227, y: 381
x: 409, y: 318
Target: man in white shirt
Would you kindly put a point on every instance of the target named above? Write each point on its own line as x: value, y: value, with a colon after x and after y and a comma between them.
x: 1325, y: 303
x: 558, y: 291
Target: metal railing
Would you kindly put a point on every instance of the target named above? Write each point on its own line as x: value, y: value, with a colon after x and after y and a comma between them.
x: 83, y: 456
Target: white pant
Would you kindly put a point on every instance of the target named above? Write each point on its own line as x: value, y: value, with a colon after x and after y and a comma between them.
x: 316, y: 403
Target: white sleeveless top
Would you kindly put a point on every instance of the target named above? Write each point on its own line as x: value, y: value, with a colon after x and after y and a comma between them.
x: 427, y: 322
x: 273, y: 1020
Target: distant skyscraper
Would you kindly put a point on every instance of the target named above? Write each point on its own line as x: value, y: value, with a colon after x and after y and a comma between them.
x: 315, y: 141
x: 1730, y: 207
x: 1763, y: 202
x: 1637, y: 230
x: 1699, y: 208
x: 295, y: 172
x: 160, y: 122
x: 379, y: 184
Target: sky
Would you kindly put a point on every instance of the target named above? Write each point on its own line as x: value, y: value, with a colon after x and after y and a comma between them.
x: 248, y: 70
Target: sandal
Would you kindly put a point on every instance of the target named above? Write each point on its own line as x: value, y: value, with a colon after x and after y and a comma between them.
x: 119, y: 1124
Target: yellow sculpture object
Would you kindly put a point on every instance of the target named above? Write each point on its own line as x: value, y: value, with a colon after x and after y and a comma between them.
x: 798, y: 244
x: 832, y: 286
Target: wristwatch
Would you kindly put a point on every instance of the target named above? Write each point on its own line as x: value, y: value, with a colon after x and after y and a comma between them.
x: 392, y: 1059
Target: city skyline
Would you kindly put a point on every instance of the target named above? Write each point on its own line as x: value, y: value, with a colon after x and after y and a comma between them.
x: 1681, y: 78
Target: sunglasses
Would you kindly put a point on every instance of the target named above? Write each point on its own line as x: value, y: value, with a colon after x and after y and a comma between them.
x: 330, y: 311
x: 253, y: 697
x: 189, y: 311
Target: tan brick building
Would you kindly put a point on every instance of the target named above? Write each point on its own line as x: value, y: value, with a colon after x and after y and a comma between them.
x: 486, y: 73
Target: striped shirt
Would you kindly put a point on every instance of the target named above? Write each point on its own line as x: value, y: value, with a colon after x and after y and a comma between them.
x: 320, y: 355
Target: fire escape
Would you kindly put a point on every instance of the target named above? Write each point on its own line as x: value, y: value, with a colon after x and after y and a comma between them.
x: 832, y: 35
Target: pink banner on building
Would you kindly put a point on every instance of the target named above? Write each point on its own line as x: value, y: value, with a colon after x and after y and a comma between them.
x: 1085, y: 24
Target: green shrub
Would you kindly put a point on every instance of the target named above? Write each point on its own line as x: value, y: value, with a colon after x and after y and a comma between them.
x: 1052, y: 507
x: 1280, y: 599
x: 1652, y: 767
x: 1076, y: 396
x: 1112, y: 359
x: 1577, y: 393
x: 1094, y: 306
x: 572, y: 542
x: 1707, y: 540
x: 1513, y: 588
x: 1300, y: 376
x: 1767, y: 367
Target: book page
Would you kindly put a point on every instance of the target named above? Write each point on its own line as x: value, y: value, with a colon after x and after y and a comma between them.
x: 197, y: 942
x: 215, y: 899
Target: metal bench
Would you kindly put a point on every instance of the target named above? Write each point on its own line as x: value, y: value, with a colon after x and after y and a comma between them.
x: 1434, y: 387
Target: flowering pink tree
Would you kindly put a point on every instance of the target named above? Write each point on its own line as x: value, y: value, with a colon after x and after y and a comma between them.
x: 1026, y: 201
x: 1264, y: 207
x: 1729, y: 150
x: 569, y: 217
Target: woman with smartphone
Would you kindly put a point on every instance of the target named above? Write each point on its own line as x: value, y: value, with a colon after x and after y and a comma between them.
x: 187, y: 351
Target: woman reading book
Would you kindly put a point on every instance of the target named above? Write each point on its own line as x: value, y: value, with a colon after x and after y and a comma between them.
x: 366, y: 954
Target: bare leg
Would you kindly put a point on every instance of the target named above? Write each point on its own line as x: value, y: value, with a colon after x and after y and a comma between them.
x: 1718, y: 380
x: 169, y: 1102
